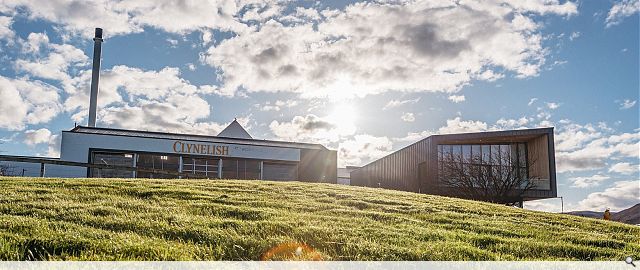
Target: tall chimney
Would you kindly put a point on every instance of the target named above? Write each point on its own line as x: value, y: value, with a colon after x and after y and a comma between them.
x: 95, y: 76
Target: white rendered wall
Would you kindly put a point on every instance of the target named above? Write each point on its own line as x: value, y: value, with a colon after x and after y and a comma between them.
x: 75, y: 147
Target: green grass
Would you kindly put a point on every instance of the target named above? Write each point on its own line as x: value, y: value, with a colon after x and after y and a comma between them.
x: 115, y: 219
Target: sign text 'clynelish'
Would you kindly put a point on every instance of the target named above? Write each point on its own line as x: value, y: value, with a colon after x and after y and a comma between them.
x: 200, y: 148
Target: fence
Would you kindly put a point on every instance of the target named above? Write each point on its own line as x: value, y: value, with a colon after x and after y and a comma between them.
x: 54, y: 161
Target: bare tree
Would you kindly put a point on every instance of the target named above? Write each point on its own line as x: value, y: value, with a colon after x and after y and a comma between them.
x: 497, y: 180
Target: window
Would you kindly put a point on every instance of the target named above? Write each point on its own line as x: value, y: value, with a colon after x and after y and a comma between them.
x: 200, y: 167
x: 157, y: 162
x: 485, y: 159
x: 114, y: 159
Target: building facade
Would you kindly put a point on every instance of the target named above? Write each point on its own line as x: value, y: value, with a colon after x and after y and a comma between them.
x: 423, y: 166
x: 233, y: 154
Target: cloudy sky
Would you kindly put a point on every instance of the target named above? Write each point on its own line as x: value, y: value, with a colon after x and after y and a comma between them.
x: 364, y: 78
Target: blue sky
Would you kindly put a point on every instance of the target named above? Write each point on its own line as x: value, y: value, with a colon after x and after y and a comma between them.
x: 364, y: 78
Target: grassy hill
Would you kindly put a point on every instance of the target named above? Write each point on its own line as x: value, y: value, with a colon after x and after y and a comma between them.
x: 107, y: 219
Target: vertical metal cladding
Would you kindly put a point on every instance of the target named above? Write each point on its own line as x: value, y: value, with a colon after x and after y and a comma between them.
x: 397, y: 171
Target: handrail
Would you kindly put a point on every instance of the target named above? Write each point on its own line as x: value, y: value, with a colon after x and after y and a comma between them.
x: 55, y: 161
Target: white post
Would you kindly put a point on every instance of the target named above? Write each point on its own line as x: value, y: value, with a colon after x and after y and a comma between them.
x: 180, y: 164
x: 135, y: 164
x: 261, y: 169
x: 220, y: 169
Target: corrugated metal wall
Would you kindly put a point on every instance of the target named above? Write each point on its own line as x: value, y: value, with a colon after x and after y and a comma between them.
x: 399, y: 170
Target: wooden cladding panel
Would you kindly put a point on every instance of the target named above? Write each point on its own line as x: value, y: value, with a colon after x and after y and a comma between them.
x: 538, y: 155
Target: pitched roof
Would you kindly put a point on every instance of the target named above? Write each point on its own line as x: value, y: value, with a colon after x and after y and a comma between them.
x: 235, y: 130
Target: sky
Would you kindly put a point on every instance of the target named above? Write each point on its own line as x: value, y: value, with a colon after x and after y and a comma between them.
x: 363, y: 78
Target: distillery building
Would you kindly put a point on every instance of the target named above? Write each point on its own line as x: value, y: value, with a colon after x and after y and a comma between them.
x: 232, y: 154
x: 425, y: 166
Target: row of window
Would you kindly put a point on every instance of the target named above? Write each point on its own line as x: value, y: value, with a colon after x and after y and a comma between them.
x: 485, y: 154
x: 489, y: 159
x: 231, y: 168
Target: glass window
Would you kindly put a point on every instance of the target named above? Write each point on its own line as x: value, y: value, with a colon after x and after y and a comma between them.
x: 456, y: 151
x: 522, y: 155
x: 230, y: 168
x: 476, y: 154
x: 505, y: 155
x: 486, y: 154
x: 499, y: 160
x: 201, y: 167
x: 446, y: 152
x: 252, y: 169
x: 495, y: 155
x: 115, y: 159
x: 157, y: 162
x: 466, y: 153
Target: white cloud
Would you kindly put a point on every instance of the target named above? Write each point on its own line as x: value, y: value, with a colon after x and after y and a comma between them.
x: 573, y: 136
x: 621, y: 10
x: 414, y: 136
x: 362, y: 149
x: 124, y: 17
x: 50, y: 61
x: 553, y: 105
x: 627, y: 104
x: 408, y: 117
x: 588, y: 147
x: 397, y: 103
x: 277, y: 106
x: 574, y: 35
x: 207, y: 37
x: 588, y: 181
x: 26, y: 102
x: 624, y: 168
x: 53, y: 149
x: 489, y: 75
x: 370, y: 48
x: 621, y: 195
x: 309, y: 128
x: 144, y: 99
x: 519, y: 123
x: 532, y: 101
x: 6, y: 32
x: 457, y: 99
x: 33, y: 137
x: 458, y: 125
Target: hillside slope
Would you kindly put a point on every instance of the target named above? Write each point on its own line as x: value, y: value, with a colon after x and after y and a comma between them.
x: 630, y: 215
x: 107, y: 219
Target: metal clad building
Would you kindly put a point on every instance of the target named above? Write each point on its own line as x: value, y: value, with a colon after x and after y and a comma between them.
x: 415, y: 167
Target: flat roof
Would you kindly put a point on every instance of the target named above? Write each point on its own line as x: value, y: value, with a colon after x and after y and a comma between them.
x: 494, y: 136
x: 191, y: 137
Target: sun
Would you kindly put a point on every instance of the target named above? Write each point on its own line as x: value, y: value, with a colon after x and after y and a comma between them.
x: 344, y: 117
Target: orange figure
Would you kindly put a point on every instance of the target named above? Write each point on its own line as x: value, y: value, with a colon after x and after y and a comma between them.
x: 607, y: 215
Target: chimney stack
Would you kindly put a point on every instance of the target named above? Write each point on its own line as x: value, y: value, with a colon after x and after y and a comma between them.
x: 95, y: 76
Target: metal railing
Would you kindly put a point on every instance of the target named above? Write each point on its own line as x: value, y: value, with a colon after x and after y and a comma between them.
x: 53, y: 161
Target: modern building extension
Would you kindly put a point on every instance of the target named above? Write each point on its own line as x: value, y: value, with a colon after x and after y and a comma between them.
x: 435, y: 164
